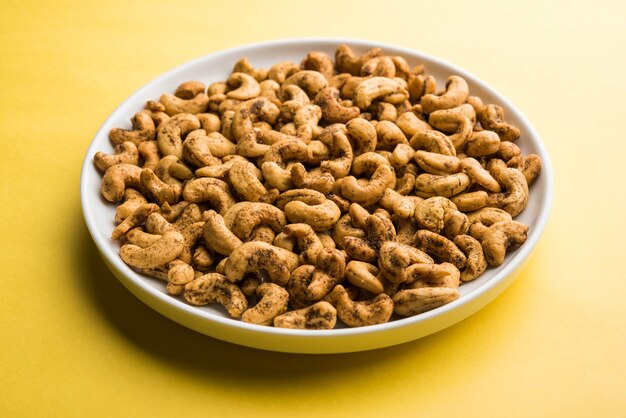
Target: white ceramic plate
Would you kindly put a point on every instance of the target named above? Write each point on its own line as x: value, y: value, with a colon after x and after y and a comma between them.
x: 212, y: 320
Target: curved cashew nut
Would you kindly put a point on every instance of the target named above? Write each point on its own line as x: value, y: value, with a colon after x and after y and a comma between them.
x: 515, y: 199
x: 470, y: 201
x: 362, y: 313
x: 389, y: 135
x: 473, y: 250
x: 433, y: 141
x: 215, y: 288
x: 396, y: 257
x: 245, y: 87
x: 440, y: 248
x: 481, y: 219
x: 217, y: 236
x: 309, y: 81
x: 333, y: 111
x: 254, y: 256
x: 321, y: 216
x: 243, y: 177
x: 359, y: 249
x: 143, y: 129
x: 501, y: 236
x: 125, y: 153
x: 479, y: 175
x: 420, y: 85
x: 411, y: 302
x: 197, y: 149
x: 363, y: 275
x: 379, y: 88
x: 138, y: 217
x: 273, y: 301
x: 117, y: 178
x: 433, y: 275
x: 457, y: 91
x: 482, y: 143
x: 382, y: 66
x: 373, y: 191
x: 363, y: 135
x: 281, y: 71
x: 491, y: 117
x: 308, y: 241
x: 367, y: 163
x: 149, y: 152
x: 308, y: 196
x: 402, y: 155
x: 191, y: 234
x: 343, y: 228
x: 347, y: 62
x: 402, y: 206
x: 330, y: 267
x: 158, y: 254
x: 157, y: 224
x: 320, y: 315
x: 298, y: 285
x: 277, y: 156
x: 140, y: 238
x: 175, y: 105
x: 530, y: 168
x: 250, y: 112
x: 306, y: 122
x: 342, y: 155
x: 243, y: 217
x: 132, y: 200
x: 244, y: 66
x: 430, y: 185
x: 379, y: 229
x: 448, y: 120
x: 320, y: 62
x: 314, y: 180
x: 438, y: 213
x: 433, y: 163
x: 170, y: 133
x: 293, y: 99
x: 410, y: 124
x: 211, y: 190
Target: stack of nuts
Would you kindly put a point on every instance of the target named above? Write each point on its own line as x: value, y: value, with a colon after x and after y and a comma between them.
x: 293, y: 196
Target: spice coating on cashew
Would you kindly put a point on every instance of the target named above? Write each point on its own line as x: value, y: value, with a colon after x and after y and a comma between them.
x: 362, y: 313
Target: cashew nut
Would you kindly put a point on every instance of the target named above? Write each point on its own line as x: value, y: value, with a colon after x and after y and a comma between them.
x: 272, y: 302
x: 320, y: 216
x: 379, y: 88
x: 320, y: 315
x: 440, y: 248
x: 361, y: 313
x: 217, y: 235
x: 254, y: 256
x: 501, y: 236
x: 170, y: 133
x: 215, y: 288
x: 473, y: 250
x: 158, y: 254
x: 411, y: 302
x: 143, y: 129
x: 455, y: 95
x: 117, y: 178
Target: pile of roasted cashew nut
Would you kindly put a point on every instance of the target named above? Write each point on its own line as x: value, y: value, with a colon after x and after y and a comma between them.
x: 351, y: 189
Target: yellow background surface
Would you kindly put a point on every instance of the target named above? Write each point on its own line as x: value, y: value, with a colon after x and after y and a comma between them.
x: 75, y: 343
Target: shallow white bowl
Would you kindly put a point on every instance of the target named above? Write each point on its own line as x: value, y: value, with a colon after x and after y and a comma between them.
x: 212, y: 320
